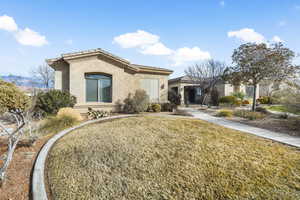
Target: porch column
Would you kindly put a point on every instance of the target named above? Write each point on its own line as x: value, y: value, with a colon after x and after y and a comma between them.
x: 181, y: 92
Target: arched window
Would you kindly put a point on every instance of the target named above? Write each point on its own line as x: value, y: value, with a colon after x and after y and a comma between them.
x: 98, y: 88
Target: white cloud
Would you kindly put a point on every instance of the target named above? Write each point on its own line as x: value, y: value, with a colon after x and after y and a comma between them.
x: 69, y: 42
x: 150, y: 44
x: 186, y: 55
x: 156, y: 49
x: 8, y: 23
x: 30, y: 38
x: 25, y: 36
x: 139, y: 38
x: 247, y: 35
x: 222, y: 3
x: 277, y: 39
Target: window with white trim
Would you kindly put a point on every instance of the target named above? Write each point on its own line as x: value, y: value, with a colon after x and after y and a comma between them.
x: 98, y: 88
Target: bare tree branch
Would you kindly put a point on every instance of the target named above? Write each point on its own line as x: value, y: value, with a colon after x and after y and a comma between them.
x: 206, y: 75
x: 45, y: 74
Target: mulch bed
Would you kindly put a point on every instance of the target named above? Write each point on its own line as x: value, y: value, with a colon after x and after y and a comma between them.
x: 17, y: 185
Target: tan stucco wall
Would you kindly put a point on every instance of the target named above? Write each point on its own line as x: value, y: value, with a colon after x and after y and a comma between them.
x: 124, y: 81
x: 62, y: 77
x: 163, y: 84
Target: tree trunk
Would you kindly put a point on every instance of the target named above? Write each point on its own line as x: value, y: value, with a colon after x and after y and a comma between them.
x: 254, y: 97
x: 204, y: 99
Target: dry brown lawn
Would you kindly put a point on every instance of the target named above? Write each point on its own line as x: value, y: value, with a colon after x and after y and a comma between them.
x: 170, y: 158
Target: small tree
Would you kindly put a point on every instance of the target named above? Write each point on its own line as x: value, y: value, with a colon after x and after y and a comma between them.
x: 45, y: 74
x: 14, y: 102
x: 137, y: 103
x: 206, y: 75
x: 255, y: 63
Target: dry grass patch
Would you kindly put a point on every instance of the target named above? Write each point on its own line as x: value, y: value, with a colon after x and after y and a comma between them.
x: 170, y: 158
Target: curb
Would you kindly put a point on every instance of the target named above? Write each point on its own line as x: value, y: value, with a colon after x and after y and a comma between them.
x: 38, y: 182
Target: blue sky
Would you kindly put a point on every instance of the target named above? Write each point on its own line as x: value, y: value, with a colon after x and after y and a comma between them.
x: 171, y: 34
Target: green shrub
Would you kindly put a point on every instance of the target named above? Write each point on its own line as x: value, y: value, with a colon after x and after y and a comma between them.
x: 248, y: 114
x: 174, y: 98
x: 225, y: 113
x: 265, y: 100
x: 156, y: 107
x: 136, y: 104
x: 230, y: 100
x: 261, y: 110
x: 50, y: 102
x: 12, y: 98
x: 96, y: 114
x: 239, y: 95
x: 167, y: 107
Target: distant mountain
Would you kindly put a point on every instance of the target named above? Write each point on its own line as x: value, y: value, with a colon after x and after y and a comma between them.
x: 23, y: 81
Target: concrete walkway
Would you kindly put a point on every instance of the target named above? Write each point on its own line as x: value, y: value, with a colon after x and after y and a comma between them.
x: 279, y: 137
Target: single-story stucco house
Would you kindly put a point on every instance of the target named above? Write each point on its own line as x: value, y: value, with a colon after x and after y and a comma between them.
x: 191, y: 93
x: 101, y: 80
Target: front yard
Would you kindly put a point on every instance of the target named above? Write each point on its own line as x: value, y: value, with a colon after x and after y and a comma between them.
x: 170, y: 158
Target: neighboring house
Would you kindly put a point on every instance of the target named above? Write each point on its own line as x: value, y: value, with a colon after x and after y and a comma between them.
x: 191, y: 93
x: 101, y: 80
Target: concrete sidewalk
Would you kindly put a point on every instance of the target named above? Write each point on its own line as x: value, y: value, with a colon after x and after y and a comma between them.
x: 279, y: 137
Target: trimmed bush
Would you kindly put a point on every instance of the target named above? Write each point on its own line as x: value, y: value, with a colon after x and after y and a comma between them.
x: 246, y: 102
x: 265, y: 100
x: 69, y: 112
x: 156, y: 107
x: 96, y: 114
x: 249, y: 114
x: 136, y: 104
x: 225, y: 113
x: 230, y: 100
x: 48, y: 103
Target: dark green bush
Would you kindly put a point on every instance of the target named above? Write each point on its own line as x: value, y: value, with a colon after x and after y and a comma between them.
x: 136, y: 104
x: 167, y: 107
x: 230, y: 100
x: 215, y: 97
x: 48, y: 103
x: 174, y: 98
x: 261, y: 110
